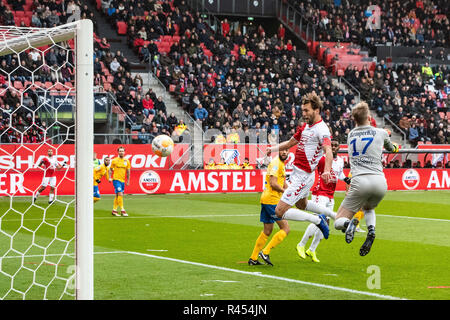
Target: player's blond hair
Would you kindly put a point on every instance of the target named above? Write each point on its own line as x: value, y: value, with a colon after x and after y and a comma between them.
x: 313, y: 99
x: 361, y: 113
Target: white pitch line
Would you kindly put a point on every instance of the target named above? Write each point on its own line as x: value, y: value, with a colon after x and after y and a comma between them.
x: 150, y: 217
x: 258, y: 274
x: 220, y: 215
x: 415, y: 218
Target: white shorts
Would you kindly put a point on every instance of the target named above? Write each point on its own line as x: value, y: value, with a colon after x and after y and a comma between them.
x: 51, y: 181
x: 300, y: 182
x: 365, y: 192
x: 324, y: 201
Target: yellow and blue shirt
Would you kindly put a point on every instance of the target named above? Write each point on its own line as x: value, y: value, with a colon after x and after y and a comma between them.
x: 277, y: 169
x: 120, y: 167
x: 99, y: 172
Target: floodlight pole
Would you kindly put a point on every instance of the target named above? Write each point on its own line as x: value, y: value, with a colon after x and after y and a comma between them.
x: 84, y: 145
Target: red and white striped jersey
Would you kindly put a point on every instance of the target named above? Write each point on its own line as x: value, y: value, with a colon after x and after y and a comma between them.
x: 337, y: 173
x: 310, y: 142
x: 50, y: 165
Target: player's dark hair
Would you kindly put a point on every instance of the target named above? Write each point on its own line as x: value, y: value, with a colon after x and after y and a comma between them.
x: 314, y: 100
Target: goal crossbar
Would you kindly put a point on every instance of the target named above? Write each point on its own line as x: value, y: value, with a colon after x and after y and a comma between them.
x: 15, y: 39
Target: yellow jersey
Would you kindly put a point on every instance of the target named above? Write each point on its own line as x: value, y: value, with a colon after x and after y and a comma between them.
x: 99, y: 172
x: 276, y: 168
x: 247, y: 166
x: 120, y: 167
x: 234, y: 166
x: 222, y: 166
x: 210, y: 166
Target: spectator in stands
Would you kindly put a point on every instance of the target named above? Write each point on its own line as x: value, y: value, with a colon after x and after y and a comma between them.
x: 143, y: 136
x: 148, y: 105
x: 200, y: 113
x: 413, y: 134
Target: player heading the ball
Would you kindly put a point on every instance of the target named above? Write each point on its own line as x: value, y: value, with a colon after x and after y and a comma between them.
x: 312, y: 140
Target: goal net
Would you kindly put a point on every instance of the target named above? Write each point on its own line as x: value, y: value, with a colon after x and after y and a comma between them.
x: 46, y: 152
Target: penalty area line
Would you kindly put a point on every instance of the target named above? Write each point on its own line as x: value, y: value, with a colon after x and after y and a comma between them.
x: 258, y: 274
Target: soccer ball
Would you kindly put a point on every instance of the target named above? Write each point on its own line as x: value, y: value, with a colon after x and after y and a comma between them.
x: 162, y: 145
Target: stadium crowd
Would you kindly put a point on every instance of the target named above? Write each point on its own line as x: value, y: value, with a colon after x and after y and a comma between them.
x: 229, y: 80
x: 413, y: 96
x: 409, y: 23
x: 111, y: 73
x: 256, y: 82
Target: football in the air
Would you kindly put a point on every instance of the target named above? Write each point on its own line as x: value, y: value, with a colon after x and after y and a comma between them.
x: 162, y: 145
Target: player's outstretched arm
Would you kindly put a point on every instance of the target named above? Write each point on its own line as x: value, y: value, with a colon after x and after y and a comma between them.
x: 326, y: 175
x: 286, y: 145
x: 60, y: 166
x: 389, y: 145
x: 110, y: 175
x: 39, y: 164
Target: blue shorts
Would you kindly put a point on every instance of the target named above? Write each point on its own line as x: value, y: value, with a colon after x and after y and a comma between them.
x: 118, y: 186
x: 96, y: 192
x: 268, y: 213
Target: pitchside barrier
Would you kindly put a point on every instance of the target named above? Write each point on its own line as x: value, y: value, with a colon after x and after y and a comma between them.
x: 150, y: 174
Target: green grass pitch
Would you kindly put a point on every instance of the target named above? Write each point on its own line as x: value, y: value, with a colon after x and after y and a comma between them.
x: 196, y: 246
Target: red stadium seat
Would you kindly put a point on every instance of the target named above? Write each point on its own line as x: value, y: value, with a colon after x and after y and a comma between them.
x: 58, y: 86
x: 18, y: 85
x: 27, y: 21
x: 121, y: 28
x: 68, y: 84
x: 38, y: 84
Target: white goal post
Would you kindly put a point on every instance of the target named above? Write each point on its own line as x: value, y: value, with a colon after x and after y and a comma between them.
x: 14, y: 40
x: 84, y: 119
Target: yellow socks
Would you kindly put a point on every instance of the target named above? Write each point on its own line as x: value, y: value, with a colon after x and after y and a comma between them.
x: 120, y: 202
x: 276, y: 240
x: 115, y: 203
x: 359, y: 215
x: 96, y: 199
x: 260, y: 242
